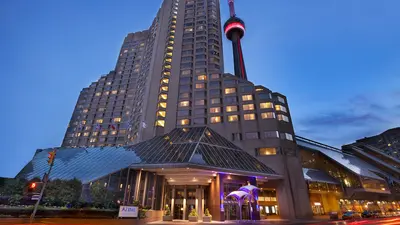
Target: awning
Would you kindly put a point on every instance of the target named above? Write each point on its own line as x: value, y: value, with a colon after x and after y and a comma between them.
x: 314, y: 175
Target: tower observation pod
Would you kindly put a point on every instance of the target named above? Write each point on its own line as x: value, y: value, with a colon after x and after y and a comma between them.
x: 234, y: 29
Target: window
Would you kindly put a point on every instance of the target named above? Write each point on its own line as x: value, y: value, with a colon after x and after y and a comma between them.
x: 85, y: 111
x: 280, y: 108
x: 280, y: 99
x: 247, y: 97
x: 267, y: 151
x: 247, y: 89
x: 230, y: 99
x: 200, y: 94
x: 250, y: 116
x: 184, y: 95
x: 214, y: 84
x: 165, y: 81
x: 184, y: 88
x: 163, y: 97
x: 215, y: 110
x: 184, y: 104
x: 114, y: 132
x: 232, y: 108
x: 215, y: 101
x: 230, y: 90
x: 215, y: 76
x: 248, y: 107
x: 162, y: 105
x: 114, y: 92
x: 252, y: 135
x: 95, y: 133
x: 264, y: 96
x: 268, y: 115
x: 86, y: 134
x: 164, y: 88
x: 199, y: 112
x: 104, y: 132
x: 200, y: 102
x: 186, y: 72
x: 184, y: 80
x: 93, y: 140
x: 215, y: 119
x: 271, y: 134
x: 98, y: 93
x: 236, y: 136
x: 286, y: 136
x: 199, y: 121
x: 160, y: 123
x: 283, y: 118
x: 117, y: 120
x: 233, y: 118
x: 202, y: 77
x: 199, y: 86
x: 161, y: 113
x: 183, y: 113
x: 99, y: 121
x: 215, y: 92
x: 184, y: 122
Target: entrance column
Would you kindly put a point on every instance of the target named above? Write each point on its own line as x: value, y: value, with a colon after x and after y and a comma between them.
x: 145, y: 189
x: 137, y: 185
x: 199, y: 200
x: 173, y: 201
x: 184, y: 203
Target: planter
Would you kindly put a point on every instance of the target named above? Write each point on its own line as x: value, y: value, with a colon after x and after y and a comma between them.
x: 167, y: 218
x: 207, y: 218
x: 193, y: 219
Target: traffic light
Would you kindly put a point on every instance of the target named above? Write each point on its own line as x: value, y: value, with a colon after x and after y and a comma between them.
x: 33, y: 185
x: 51, y: 156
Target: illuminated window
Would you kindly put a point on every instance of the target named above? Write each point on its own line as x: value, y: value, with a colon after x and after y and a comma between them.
x: 162, y: 105
x: 86, y: 134
x: 122, y: 132
x: 160, y: 123
x: 215, y: 76
x: 104, y: 132
x: 215, y: 110
x: 95, y: 133
x: 232, y: 108
x: 166, y: 73
x: 230, y: 90
x: 283, y: 118
x: 99, y: 121
x: 247, y: 97
x: 184, y: 104
x: 85, y: 110
x: 117, y: 119
x: 233, y: 118
x: 267, y: 115
x: 184, y: 122
x: 199, y: 86
x: 167, y: 66
x: 189, y: 29
x: 164, y: 88
x: 78, y: 134
x: 280, y: 108
x: 248, y: 107
x: 93, y: 140
x: 165, y: 81
x: 215, y: 119
x: 114, y: 92
x: 98, y: 93
x: 259, y: 89
x: 108, y: 83
x: 101, y: 109
x: 267, y: 151
x: 83, y: 122
x: 114, y: 132
x: 202, y: 77
x: 163, y: 97
x: 168, y: 60
x: 266, y: 105
x: 106, y: 92
x: 250, y: 116
x: 161, y: 113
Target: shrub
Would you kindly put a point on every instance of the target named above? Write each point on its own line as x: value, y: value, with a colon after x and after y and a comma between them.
x: 207, y: 213
x: 193, y: 212
x: 167, y: 211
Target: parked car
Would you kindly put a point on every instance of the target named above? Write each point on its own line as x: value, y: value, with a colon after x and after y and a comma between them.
x: 350, y: 215
x: 367, y: 214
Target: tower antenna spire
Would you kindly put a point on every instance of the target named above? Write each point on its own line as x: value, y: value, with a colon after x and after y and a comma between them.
x: 232, y: 8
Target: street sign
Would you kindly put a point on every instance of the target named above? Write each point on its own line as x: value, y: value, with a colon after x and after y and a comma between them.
x: 128, y: 211
x: 35, y: 197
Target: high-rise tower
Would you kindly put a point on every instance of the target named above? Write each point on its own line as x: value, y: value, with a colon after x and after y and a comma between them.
x: 234, y: 30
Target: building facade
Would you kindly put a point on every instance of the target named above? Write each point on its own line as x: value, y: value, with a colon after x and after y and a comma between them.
x: 388, y: 142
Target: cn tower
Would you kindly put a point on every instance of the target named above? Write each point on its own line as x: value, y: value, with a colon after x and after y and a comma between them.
x: 234, y: 30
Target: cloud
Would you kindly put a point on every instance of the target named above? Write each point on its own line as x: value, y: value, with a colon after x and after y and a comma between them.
x: 357, y: 117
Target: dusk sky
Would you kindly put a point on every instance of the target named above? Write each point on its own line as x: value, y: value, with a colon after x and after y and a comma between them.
x: 338, y: 62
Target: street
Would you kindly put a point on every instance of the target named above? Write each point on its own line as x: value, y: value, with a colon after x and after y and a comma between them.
x: 54, y: 221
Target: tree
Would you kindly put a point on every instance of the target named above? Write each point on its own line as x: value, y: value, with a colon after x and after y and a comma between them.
x: 62, y: 192
x: 10, y: 187
x: 101, y: 197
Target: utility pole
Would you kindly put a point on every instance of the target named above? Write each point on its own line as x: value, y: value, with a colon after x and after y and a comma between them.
x: 50, y: 161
